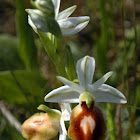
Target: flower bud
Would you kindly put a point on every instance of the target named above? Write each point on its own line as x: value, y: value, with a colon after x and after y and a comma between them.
x: 42, y: 126
x: 87, y: 123
x: 45, y: 6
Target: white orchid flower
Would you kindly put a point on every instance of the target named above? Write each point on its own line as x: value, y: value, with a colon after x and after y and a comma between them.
x: 85, y: 90
x: 68, y: 25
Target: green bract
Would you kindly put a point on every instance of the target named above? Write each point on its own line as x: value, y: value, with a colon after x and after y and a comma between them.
x: 98, y: 91
x: 41, y: 18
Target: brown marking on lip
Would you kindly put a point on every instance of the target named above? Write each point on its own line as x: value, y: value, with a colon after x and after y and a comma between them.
x: 76, y: 132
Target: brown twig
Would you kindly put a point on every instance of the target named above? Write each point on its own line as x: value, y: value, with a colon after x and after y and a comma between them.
x: 9, y: 116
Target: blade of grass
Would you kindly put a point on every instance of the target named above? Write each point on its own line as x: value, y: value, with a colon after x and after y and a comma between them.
x: 101, y: 47
x: 101, y: 52
x: 125, y: 68
x: 135, y: 71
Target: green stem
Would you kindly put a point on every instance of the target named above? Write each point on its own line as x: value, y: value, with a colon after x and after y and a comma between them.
x: 60, y: 65
x: 51, y: 48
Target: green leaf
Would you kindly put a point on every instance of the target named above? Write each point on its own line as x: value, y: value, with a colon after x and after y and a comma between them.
x: 27, y: 48
x: 70, y: 67
x: 9, y: 57
x: 31, y: 82
x: 52, y: 26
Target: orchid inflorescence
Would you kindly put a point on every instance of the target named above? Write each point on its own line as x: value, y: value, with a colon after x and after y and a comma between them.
x: 86, y: 120
x: 47, y: 13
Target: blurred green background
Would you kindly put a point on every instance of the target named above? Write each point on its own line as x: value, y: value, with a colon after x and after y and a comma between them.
x: 27, y: 73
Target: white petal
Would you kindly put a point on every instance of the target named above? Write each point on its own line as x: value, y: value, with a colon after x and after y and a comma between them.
x: 68, y: 108
x: 74, y: 86
x: 66, y: 13
x: 85, y: 70
x: 101, y: 81
x: 63, y: 94
x: 73, y: 25
x: 56, y: 4
x: 110, y: 94
x: 66, y: 111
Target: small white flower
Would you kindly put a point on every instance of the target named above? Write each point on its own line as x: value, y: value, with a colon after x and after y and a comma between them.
x: 68, y: 25
x: 85, y: 90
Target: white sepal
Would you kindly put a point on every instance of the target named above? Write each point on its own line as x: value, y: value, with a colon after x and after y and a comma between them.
x: 56, y: 4
x: 71, y: 84
x: 85, y: 70
x: 32, y: 24
x: 64, y: 94
x: 37, y: 19
x: 66, y: 13
x: 110, y: 94
x: 73, y: 25
x: 101, y: 81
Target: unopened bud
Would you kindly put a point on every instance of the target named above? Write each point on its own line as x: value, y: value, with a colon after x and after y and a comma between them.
x: 41, y: 126
x: 87, y: 123
x: 45, y: 6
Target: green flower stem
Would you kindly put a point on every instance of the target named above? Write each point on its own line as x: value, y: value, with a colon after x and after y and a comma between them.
x: 60, y: 65
x: 70, y: 67
x: 51, y: 49
x: 27, y: 48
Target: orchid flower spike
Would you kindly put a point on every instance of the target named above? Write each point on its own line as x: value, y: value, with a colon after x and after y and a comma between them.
x: 68, y: 25
x: 86, y: 91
